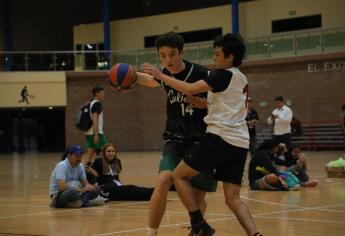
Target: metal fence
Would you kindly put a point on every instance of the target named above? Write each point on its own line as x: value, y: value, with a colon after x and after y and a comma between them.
x: 279, y: 45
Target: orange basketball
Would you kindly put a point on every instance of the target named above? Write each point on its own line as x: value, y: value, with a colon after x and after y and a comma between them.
x: 122, y: 76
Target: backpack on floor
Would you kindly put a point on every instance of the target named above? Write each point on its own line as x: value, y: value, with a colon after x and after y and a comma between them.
x: 84, y: 117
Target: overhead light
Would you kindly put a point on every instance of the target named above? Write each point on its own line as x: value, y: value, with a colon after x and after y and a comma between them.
x: 50, y: 108
x: 89, y: 46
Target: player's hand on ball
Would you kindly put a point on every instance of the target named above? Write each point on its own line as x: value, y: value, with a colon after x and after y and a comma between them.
x: 196, y: 102
x: 151, y: 70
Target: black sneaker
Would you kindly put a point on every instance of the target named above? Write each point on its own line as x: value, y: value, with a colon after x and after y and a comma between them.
x: 203, y: 230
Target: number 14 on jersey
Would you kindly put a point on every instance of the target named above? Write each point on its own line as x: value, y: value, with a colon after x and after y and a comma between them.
x: 186, y: 110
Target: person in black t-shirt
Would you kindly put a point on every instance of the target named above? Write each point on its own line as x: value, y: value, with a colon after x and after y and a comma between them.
x: 184, y: 126
x: 263, y: 174
x: 106, y: 171
x: 296, y: 127
x: 224, y: 147
x: 252, y: 121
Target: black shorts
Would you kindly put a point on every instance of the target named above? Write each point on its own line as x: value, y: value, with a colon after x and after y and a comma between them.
x: 173, y: 154
x: 213, y: 153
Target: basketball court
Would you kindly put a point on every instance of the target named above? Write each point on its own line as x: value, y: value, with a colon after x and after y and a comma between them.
x: 24, y: 205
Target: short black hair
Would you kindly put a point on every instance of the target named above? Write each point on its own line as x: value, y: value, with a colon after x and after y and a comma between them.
x: 343, y: 107
x: 97, y: 89
x: 292, y: 147
x: 170, y: 39
x: 268, y: 144
x: 231, y: 44
x: 279, y: 98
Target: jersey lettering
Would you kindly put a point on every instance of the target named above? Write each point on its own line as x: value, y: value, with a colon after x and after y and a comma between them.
x: 186, y: 110
x: 175, y: 98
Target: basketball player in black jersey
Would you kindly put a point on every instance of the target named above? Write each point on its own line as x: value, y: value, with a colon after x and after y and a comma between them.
x: 224, y: 148
x: 184, y: 126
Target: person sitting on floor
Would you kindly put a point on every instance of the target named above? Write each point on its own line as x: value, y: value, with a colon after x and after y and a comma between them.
x: 69, y: 187
x: 297, y: 164
x: 263, y: 174
x: 106, y: 171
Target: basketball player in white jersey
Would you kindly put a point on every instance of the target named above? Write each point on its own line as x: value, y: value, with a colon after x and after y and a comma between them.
x: 226, y: 144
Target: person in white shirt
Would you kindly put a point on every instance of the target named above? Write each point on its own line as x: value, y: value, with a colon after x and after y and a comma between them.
x: 95, y: 137
x: 280, y: 119
x: 225, y: 146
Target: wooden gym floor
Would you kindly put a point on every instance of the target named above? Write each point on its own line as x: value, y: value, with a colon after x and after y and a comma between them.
x: 24, y: 200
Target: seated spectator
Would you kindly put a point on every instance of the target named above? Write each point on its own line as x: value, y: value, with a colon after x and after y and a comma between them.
x: 297, y: 164
x: 263, y: 174
x: 296, y: 127
x: 69, y: 187
x: 106, y: 170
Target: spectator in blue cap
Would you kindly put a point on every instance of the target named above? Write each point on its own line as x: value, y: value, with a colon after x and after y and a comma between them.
x: 69, y: 187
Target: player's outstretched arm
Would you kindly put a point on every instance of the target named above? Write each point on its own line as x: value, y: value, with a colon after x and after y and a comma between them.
x: 186, y: 88
x: 197, y: 87
x: 146, y: 80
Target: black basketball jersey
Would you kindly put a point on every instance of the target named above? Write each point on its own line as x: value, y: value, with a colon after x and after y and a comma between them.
x: 184, y: 124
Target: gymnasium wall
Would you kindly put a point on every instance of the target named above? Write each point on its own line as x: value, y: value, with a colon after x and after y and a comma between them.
x: 44, y: 89
x: 314, y: 86
x: 255, y: 21
x: 258, y: 15
x: 133, y: 120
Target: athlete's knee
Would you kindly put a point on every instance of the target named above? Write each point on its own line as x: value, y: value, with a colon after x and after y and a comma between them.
x: 183, y: 171
x: 232, y: 194
x: 164, y: 181
x: 231, y: 199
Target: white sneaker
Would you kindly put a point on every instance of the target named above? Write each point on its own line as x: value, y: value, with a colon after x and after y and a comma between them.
x: 98, y: 201
x: 105, y: 199
x: 297, y: 187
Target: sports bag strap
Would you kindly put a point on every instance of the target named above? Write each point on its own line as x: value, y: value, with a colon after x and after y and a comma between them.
x: 91, y: 104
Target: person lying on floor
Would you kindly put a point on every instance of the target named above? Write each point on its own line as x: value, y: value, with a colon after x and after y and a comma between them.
x: 296, y: 163
x: 264, y: 175
x: 106, y: 171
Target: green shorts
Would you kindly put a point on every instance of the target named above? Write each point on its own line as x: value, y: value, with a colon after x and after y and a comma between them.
x: 172, y: 155
x: 101, y: 143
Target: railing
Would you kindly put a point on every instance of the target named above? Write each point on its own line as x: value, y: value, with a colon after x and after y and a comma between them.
x: 279, y: 45
x: 315, y: 135
x: 305, y: 43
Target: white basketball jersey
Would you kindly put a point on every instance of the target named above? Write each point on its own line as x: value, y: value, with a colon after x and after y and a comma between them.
x: 227, y: 111
x: 100, y: 121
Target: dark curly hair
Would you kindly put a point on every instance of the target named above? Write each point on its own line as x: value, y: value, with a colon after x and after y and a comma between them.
x: 170, y: 39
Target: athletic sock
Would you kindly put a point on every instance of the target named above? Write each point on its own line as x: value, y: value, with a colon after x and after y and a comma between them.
x: 196, y: 218
x: 152, y: 231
